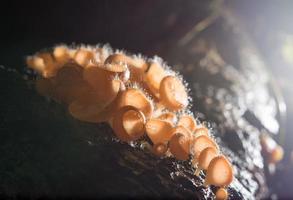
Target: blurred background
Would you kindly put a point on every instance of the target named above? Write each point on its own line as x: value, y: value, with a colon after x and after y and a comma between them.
x: 163, y: 28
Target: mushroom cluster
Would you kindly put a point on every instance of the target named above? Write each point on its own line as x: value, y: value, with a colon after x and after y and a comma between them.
x: 138, y: 97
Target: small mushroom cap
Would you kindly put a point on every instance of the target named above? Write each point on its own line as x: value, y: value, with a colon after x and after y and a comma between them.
x: 153, y: 78
x: 83, y: 57
x: 219, y: 172
x: 200, y: 143
x: 188, y: 122
x: 173, y: 93
x: 168, y: 116
x: 36, y: 63
x: 103, y: 83
x: 72, y: 52
x: 159, y: 131
x: 179, y: 146
x: 201, y: 131
x: 136, y: 98
x: 221, y: 194
x: 268, y: 143
x: 206, y: 156
x: 160, y: 149
x: 133, y: 122
x: 277, y: 154
x: 61, y: 54
x: 128, y: 124
x: 137, y: 66
x: 43, y: 63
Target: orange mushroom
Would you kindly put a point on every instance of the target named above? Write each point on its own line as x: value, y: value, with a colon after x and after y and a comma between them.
x: 83, y: 57
x: 201, y: 131
x: 173, y: 93
x: 72, y: 53
x: 103, y: 83
x: 160, y: 148
x: 153, y: 78
x: 128, y: 123
x: 205, y: 158
x: 274, y: 151
x: 188, y: 122
x: 277, y: 154
x: 135, y: 97
x: 179, y: 146
x: 200, y: 143
x: 43, y: 63
x: 159, y: 131
x: 221, y: 194
x: 61, y: 54
x: 136, y: 66
x: 219, y: 172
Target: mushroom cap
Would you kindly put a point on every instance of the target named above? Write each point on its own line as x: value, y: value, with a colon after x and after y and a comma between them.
x: 43, y: 63
x: 83, y: 57
x: 219, y: 172
x: 277, y: 154
x: 128, y: 123
x: 136, y: 98
x: 221, y: 194
x: 179, y: 146
x: 61, y: 54
x: 188, y: 122
x: 159, y: 131
x: 200, y: 143
x: 206, y: 156
x: 153, y: 78
x: 173, y: 93
x: 201, y: 131
x: 103, y: 83
x: 137, y: 66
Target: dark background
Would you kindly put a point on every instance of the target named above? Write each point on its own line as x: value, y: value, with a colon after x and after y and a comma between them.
x: 138, y: 26
x: 149, y: 27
